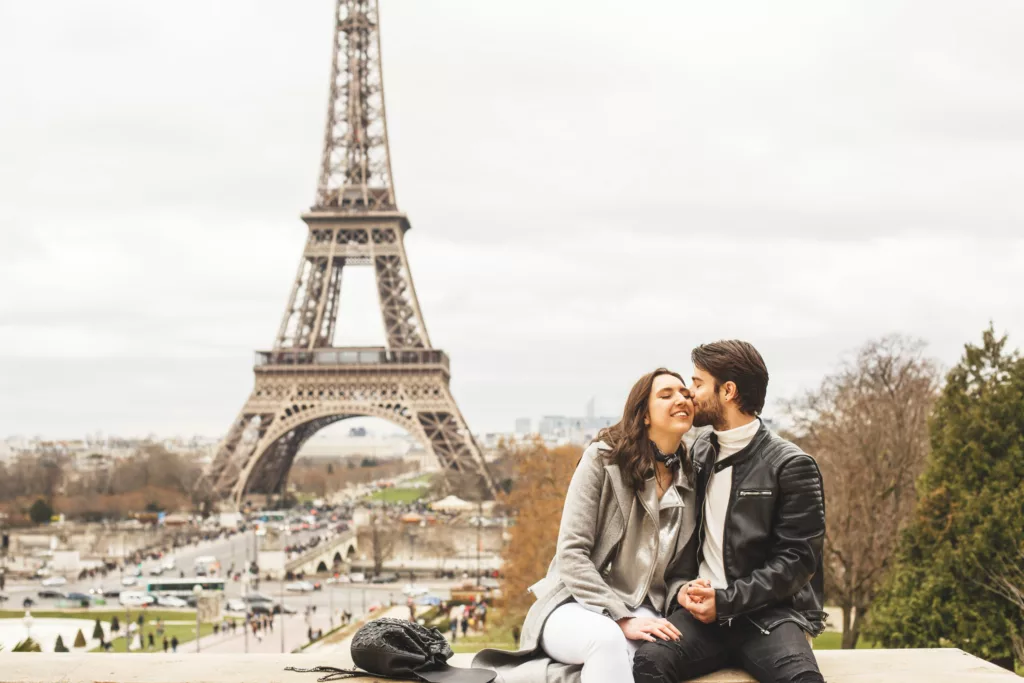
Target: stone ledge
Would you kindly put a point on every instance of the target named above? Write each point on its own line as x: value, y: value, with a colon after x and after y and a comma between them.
x: 838, y: 666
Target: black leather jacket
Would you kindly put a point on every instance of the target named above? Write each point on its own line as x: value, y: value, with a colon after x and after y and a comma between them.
x: 774, y: 531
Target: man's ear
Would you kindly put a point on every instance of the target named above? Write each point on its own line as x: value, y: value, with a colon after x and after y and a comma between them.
x: 729, y: 391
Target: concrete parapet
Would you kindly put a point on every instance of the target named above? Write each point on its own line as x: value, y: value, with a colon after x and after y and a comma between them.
x: 838, y: 666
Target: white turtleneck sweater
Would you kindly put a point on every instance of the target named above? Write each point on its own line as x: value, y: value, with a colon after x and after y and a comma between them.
x: 716, y: 503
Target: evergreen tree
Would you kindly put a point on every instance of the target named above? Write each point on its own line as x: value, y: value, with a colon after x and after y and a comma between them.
x: 115, y: 625
x: 40, y: 512
x: 80, y: 639
x: 97, y: 631
x: 59, y: 646
x: 27, y: 645
x: 970, y: 515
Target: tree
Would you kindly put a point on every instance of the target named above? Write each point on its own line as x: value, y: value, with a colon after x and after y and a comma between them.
x: 80, y: 639
x: 59, y: 645
x: 537, y: 497
x: 384, y: 536
x: 1006, y: 579
x: 867, y: 426
x: 97, y: 632
x: 40, y: 512
x: 970, y: 512
x: 115, y: 625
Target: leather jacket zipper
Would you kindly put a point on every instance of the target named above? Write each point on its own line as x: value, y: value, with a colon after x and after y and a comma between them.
x: 707, y: 487
x: 760, y: 628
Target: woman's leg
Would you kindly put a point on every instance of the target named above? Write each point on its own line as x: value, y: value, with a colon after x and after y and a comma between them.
x: 574, y: 634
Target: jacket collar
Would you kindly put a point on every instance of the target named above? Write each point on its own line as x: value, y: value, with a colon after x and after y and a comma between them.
x: 648, y: 496
x: 743, y: 455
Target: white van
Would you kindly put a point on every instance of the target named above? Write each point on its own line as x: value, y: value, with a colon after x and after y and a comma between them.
x: 135, y: 599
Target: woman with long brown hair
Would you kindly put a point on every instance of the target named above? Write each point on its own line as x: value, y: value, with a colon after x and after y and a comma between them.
x: 621, y: 556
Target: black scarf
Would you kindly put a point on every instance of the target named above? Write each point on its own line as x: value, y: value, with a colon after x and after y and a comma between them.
x: 672, y: 460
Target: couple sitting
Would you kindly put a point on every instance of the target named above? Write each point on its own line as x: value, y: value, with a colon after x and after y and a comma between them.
x: 673, y: 563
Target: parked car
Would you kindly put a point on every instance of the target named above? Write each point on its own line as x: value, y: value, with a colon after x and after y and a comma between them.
x: 3, y: 598
x: 168, y: 564
x: 51, y: 593
x: 111, y: 592
x: 386, y: 577
x: 27, y: 603
x: 357, y: 577
x: 128, y: 581
x: 299, y: 587
x: 81, y: 598
x: 413, y: 590
x: 156, y: 570
x: 170, y: 601
x: 235, y: 605
x: 136, y: 599
x: 269, y: 608
x: 54, y: 581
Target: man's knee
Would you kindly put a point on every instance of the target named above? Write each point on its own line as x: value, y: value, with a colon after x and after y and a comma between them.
x: 797, y: 667
x: 657, y: 662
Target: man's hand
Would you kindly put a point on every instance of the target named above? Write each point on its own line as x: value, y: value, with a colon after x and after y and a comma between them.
x: 700, y: 602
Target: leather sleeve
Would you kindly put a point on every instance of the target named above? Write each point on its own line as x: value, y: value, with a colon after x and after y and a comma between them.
x: 798, y: 535
x: 576, y: 536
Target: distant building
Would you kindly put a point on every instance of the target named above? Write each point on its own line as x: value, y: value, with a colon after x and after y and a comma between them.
x: 579, y: 430
x: 524, y: 425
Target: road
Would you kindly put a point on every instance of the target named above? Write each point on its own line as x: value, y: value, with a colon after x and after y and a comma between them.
x: 237, y: 550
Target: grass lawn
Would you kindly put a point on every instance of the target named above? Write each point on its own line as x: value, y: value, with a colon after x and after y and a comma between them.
x: 833, y: 641
x: 184, y: 632
x: 498, y: 634
x: 398, y: 495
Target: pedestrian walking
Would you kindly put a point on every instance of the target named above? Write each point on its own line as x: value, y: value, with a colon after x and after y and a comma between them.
x: 151, y: 640
x: 464, y: 624
x: 174, y: 643
x: 166, y: 645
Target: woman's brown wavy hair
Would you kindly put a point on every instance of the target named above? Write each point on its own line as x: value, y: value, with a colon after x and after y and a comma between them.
x: 631, y: 449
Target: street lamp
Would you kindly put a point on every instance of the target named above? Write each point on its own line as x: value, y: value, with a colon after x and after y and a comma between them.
x: 197, y: 590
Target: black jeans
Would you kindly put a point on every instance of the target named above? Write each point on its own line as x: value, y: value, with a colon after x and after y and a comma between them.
x: 782, y: 656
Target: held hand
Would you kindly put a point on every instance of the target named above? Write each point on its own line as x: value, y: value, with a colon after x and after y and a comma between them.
x: 646, y: 628
x: 702, y: 603
x: 684, y: 598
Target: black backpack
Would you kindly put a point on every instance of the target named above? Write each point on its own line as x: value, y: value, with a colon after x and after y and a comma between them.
x: 395, y: 648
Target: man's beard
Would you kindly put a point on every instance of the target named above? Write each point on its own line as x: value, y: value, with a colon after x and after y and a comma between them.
x: 709, y: 413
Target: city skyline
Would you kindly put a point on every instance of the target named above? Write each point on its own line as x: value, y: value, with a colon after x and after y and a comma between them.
x: 549, y: 189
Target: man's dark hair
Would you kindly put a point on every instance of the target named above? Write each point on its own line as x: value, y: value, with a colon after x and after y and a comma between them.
x: 738, y: 362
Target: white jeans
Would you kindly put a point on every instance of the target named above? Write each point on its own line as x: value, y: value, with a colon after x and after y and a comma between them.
x: 574, y: 634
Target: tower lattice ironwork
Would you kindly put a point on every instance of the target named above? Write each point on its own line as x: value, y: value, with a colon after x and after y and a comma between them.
x: 305, y: 382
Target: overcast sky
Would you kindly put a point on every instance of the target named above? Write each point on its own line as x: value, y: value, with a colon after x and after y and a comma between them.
x: 594, y: 188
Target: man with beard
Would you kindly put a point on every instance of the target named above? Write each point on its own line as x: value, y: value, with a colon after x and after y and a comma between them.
x: 758, y: 596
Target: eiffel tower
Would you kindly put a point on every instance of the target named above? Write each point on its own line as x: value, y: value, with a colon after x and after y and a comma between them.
x: 305, y: 382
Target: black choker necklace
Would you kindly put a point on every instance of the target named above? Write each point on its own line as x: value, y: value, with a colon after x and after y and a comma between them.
x: 672, y: 460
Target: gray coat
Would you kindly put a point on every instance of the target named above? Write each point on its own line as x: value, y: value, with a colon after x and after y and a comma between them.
x: 594, y: 521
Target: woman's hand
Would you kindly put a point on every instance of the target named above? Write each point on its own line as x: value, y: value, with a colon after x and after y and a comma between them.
x: 646, y: 628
